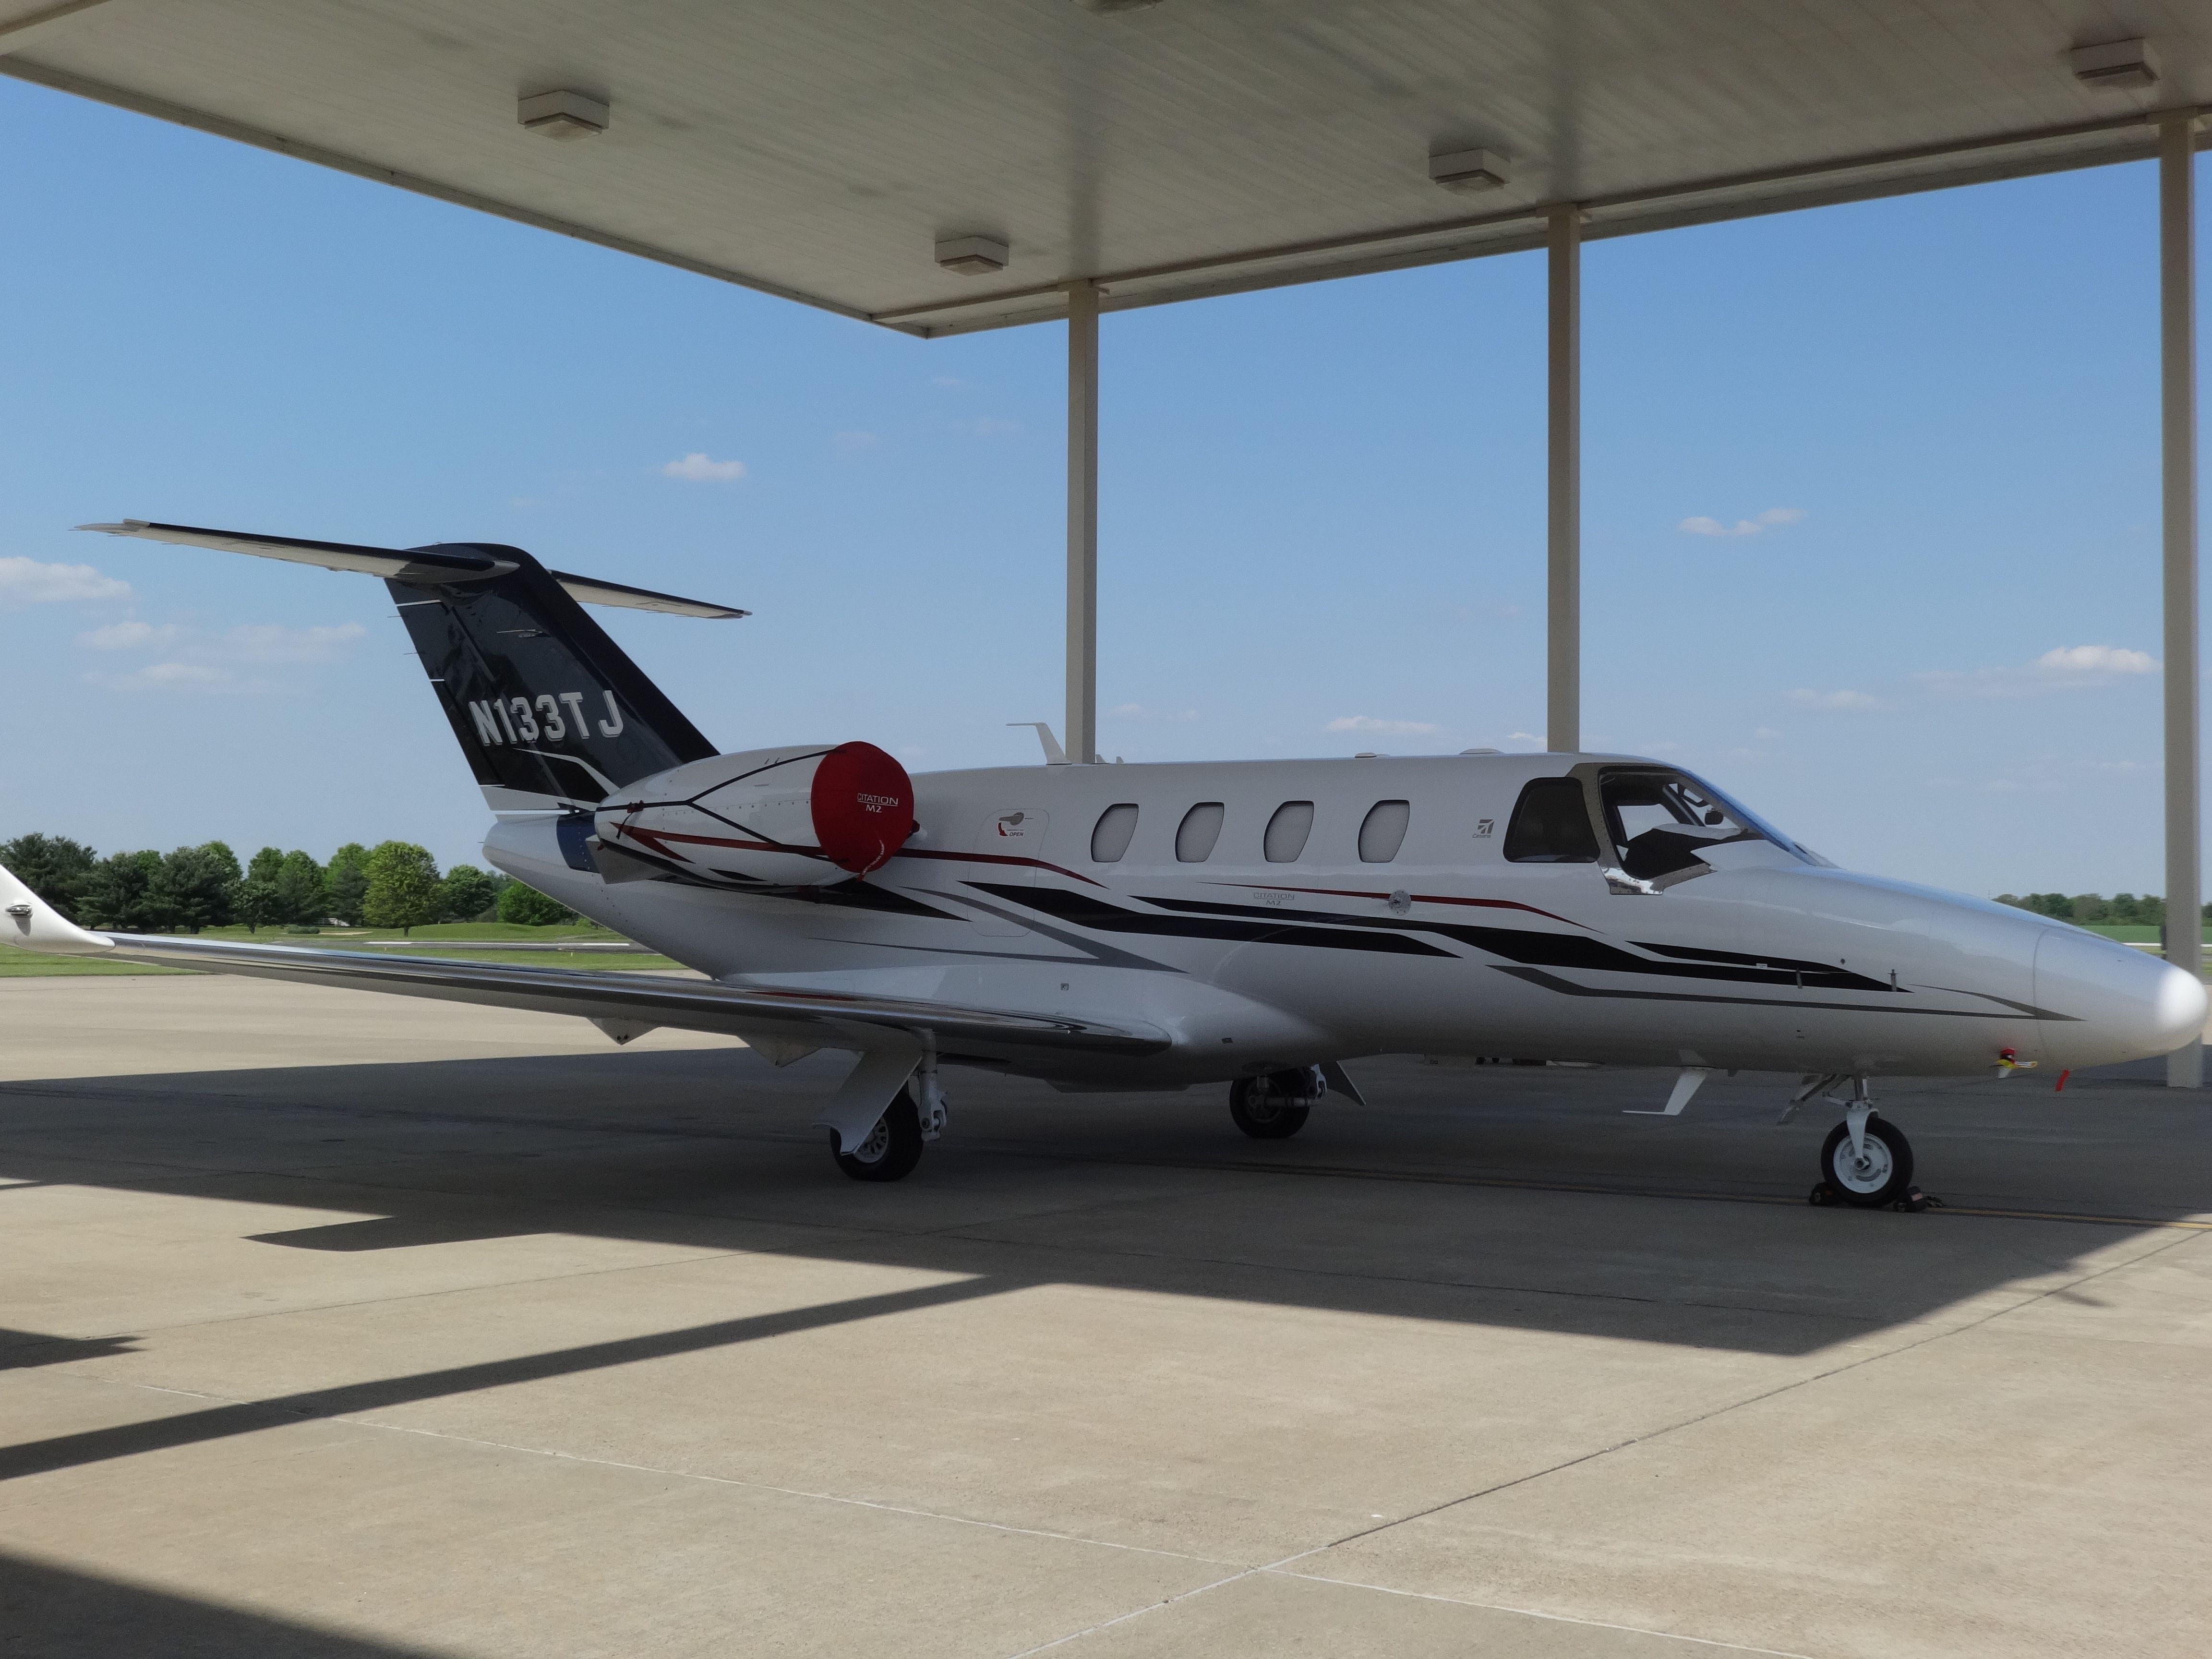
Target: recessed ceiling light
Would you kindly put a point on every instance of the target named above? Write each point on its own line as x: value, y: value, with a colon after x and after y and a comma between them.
x: 563, y: 114
x: 2130, y: 65
x: 972, y: 255
x: 1466, y: 169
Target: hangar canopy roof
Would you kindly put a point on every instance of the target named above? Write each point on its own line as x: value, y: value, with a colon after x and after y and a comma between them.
x: 818, y: 148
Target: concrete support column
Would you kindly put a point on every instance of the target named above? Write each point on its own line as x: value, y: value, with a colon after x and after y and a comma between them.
x: 1082, y: 521
x: 2177, y: 284
x: 1563, y: 614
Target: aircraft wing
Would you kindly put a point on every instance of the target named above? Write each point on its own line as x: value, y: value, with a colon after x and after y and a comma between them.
x: 828, y: 1018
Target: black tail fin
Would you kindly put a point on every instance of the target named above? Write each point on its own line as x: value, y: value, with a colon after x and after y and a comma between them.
x: 552, y: 714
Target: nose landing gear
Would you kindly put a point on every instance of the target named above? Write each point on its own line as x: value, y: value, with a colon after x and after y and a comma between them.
x: 1866, y: 1161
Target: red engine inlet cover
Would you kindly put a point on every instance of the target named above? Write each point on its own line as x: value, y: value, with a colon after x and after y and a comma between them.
x: 863, y: 806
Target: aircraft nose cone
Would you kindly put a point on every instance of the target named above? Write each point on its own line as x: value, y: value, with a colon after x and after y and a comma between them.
x: 2104, y: 1003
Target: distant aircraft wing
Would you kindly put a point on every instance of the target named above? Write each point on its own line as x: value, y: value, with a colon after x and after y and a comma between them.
x: 826, y: 1018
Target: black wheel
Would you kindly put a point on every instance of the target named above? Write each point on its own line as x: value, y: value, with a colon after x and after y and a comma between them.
x: 893, y: 1146
x: 1264, y: 1111
x: 1882, y: 1177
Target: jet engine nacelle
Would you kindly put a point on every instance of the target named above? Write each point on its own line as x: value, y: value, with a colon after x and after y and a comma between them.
x: 798, y: 817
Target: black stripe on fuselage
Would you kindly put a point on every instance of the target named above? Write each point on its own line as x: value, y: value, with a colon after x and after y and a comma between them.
x: 1568, y: 988
x: 1548, y: 950
x: 1087, y: 910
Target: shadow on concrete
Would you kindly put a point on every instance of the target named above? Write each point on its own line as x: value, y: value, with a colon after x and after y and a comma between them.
x: 21, y: 1350
x: 220, y: 1422
x: 1518, y: 1197
x: 48, y: 1613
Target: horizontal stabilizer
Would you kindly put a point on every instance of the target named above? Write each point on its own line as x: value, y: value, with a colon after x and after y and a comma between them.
x: 425, y: 566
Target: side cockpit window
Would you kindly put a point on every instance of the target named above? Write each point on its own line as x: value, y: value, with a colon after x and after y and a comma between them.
x: 1665, y: 822
x: 1110, y: 838
x: 1551, y: 824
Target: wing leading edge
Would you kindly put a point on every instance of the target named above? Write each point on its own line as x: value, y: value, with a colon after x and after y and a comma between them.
x: 830, y: 1018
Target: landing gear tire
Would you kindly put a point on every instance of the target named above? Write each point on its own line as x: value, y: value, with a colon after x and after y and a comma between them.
x: 1880, y: 1177
x: 1262, y: 1112
x: 890, y: 1150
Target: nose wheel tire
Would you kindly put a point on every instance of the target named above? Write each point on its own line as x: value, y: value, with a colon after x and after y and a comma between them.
x: 890, y: 1150
x: 1263, y: 1114
x: 1873, y: 1179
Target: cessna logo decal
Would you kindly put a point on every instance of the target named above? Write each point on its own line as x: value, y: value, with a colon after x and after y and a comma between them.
x: 518, y: 719
x: 876, y: 803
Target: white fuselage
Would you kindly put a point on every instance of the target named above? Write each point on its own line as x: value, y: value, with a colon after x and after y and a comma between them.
x: 1767, y: 960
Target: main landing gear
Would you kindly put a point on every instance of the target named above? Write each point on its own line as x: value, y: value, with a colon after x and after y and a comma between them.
x: 891, y: 1146
x: 1274, y: 1106
x: 890, y: 1150
x: 1866, y: 1161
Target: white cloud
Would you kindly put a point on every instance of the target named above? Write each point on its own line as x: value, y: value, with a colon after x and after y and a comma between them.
x: 1137, y: 711
x: 1849, y: 700
x: 206, y: 662
x: 270, y: 642
x: 247, y: 642
x: 174, y: 678
x: 1702, y: 526
x: 127, y: 636
x: 1524, y: 737
x: 2063, y: 668
x: 183, y: 673
x: 2103, y: 661
x: 27, y: 581
x: 1385, y: 728
x: 701, y: 468
x: 852, y: 441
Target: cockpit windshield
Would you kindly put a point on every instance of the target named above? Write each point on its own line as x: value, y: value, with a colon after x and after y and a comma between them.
x: 1665, y: 823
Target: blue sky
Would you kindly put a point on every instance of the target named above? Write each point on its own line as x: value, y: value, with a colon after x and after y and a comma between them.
x: 1870, y: 508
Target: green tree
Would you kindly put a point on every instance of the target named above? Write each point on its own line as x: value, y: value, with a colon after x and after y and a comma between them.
x: 257, y: 903
x: 300, y: 894
x: 403, y: 886
x: 195, y: 887
x: 465, y: 894
x: 114, y: 893
x: 521, y: 903
x: 2090, y: 907
x: 346, y: 882
x: 54, y: 867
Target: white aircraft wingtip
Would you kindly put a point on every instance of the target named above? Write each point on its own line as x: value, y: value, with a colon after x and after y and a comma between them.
x: 30, y: 923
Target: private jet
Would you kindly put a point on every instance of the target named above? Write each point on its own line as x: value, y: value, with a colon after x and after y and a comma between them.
x: 1128, y: 927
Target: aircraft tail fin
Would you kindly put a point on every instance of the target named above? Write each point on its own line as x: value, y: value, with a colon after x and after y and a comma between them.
x: 552, y: 714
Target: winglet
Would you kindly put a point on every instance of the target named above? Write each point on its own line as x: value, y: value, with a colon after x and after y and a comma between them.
x: 30, y: 923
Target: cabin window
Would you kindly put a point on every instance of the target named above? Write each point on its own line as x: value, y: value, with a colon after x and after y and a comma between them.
x: 1287, y: 831
x: 1109, y: 837
x: 1551, y: 825
x: 1382, y: 831
x: 1200, y: 829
